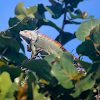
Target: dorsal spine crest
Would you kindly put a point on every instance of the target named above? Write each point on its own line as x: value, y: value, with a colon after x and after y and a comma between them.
x: 53, y: 41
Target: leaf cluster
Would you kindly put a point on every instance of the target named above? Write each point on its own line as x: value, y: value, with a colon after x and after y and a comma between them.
x: 55, y: 77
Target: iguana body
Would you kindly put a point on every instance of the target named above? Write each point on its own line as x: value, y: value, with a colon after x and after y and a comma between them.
x: 36, y: 40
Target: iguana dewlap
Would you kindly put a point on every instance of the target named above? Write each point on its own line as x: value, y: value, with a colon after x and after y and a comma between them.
x: 36, y: 40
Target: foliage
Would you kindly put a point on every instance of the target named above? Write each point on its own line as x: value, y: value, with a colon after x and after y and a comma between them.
x: 54, y: 77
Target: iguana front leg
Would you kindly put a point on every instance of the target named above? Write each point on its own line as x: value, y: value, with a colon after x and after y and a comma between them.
x: 28, y: 48
x: 33, y: 49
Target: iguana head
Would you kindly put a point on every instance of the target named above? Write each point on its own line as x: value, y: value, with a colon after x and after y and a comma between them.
x: 27, y: 36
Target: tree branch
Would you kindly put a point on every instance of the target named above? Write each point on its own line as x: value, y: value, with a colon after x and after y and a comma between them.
x: 1, y: 32
x: 60, y: 37
x: 33, y: 57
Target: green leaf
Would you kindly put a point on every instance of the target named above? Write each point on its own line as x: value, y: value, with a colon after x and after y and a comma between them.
x: 11, y: 56
x: 32, y: 10
x: 74, y: 16
x: 65, y: 37
x: 32, y: 81
x: 14, y: 45
x: 70, y: 7
x: 5, y: 39
x: 21, y: 58
x: 63, y: 70
x: 14, y: 71
x: 95, y: 34
x: 31, y: 15
x: 21, y: 17
x: 68, y: 56
x: 14, y: 37
x: 42, y: 21
x: 71, y: 22
x: 20, y: 10
x: 95, y: 37
x: 37, y: 16
x: 11, y: 91
x: 19, y: 79
x: 50, y: 58
x: 39, y: 96
x: 84, y: 64
x: 32, y: 77
x: 1, y: 46
x: 8, y: 33
x: 78, y: 12
x: 87, y: 48
x: 90, y: 17
x: 90, y: 96
x: 74, y: 3
x: 97, y: 65
x: 85, y: 84
x: 32, y: 24
x: 84, y: 30
x: 2, y: 63
x: 95, y: 68
x: 41, y: 9
x: 41, y: 67
x: 55, y: 11
x: 5, y: 83
x: 20, y: 26
x: 2, y: 60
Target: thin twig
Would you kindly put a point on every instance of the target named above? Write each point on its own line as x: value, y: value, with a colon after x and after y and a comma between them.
x: 13, y: 26
x: 74, y: 23
x: 4, y: 51
x: 60, y: 37
x: 72, y: 51
x: 64, y: 18
x: 23, y: 82
x: 33, y: 57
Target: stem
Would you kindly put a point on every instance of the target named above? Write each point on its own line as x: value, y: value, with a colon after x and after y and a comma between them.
x: 4, y: 51
x: 33, y: 57
x: 60, y: 37
x: 64, y: 18
x: 13, y: 26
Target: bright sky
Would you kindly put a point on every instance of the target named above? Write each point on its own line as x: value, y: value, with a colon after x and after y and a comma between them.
x: 7, y: 8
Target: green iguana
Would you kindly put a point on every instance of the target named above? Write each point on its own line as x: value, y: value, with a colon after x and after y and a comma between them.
x: 35, y: 40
